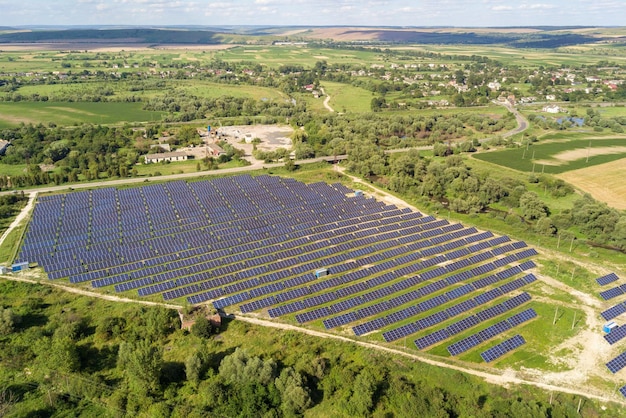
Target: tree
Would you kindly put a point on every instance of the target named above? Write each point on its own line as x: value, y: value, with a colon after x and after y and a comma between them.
x: 362, y: 400
x: 193, y: 368
x: 8, y: 320
x: 295, y: 395
x: 141, y: 363
x: 239, y: 367
x: 202, y: 328
x: 545, y: 226
x: 532, y: 207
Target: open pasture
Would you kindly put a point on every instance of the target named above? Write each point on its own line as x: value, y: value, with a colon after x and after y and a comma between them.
x: 347, y: 98
x: 12, y: 114
x: 559, y: 156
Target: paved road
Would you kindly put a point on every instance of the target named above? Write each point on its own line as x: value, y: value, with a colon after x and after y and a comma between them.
x: 522, y: 123
x: 133, y: 180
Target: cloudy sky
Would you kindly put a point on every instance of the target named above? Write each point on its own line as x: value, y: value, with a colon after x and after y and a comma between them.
x: 315, y: 12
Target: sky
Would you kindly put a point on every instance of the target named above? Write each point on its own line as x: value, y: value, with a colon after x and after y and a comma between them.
x: 463, y: 13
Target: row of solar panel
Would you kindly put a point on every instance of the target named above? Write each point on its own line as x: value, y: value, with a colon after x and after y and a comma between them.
x: 461, y: 325
x: 503, y: 348
x: 617, y: 364
x: 376, y: 282
x: 413, y: 310
x: 484, y: 335
x: 614, y: 311
x: 614, y: 292
x: 143, y: 255
x: 615, y: 335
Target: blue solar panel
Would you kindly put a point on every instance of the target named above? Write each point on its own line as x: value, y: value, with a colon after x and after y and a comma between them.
x: 462, y: 325
x: 617, y: 363
x: 501, y: 349
x: 614, y: 311
x: 431, y: 339
x: 615, y: 335
x: 622, y: 390
x: 609, y: 278
x: 463, y: 345
x: 611, y: 293
x: 522, y: 317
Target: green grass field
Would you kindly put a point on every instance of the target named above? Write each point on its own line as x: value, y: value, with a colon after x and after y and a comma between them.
x: 530, y: 160
x: 347, y: 98
x: 275, y: 56
x: 12, y: 114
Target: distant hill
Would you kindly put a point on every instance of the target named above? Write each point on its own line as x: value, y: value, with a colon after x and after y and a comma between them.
x: 534, y: 39
x: 130, y: 36
x: 519, y: 37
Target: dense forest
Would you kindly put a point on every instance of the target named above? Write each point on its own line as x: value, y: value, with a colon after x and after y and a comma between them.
x: 65, y: 355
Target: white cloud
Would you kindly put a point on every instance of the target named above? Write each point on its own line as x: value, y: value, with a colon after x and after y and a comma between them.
x: 501, y: 8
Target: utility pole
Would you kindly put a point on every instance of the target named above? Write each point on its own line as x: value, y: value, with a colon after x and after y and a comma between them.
x: 555, y: 312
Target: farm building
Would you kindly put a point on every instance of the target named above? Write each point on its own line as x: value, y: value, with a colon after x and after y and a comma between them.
x: 215, y: 150
x: 552, y: 109
x: 165, y: 156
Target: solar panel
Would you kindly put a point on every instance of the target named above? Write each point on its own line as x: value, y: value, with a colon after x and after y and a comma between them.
x: 431, y: 339
x: 462, y: 325
x: 615, y: 335
x: 463, y: 345
x: 522, y: 317
x: 609, y: 278
x: 614, y: 311
x: 617, y: 363
x: 611, y: 293
x: 622, y: 390
x: 501, y: 349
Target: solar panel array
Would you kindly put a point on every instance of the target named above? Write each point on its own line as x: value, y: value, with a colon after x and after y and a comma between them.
x: 473, y: 340
x: 473, y: 320
x: 256, y: 241
x: 451, y: 311
x: 504, y: 347
x: 622, y: 390
x: 609, y: 278
x: 617, y: 364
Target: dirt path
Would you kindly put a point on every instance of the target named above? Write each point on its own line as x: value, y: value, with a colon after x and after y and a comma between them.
x: 502, y: 378
x: 20, y: 217
x: 326, y: 100
x: 88, y: 293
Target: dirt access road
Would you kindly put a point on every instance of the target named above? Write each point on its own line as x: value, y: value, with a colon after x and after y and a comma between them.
x: 502, y: 378
x: 20, y: 217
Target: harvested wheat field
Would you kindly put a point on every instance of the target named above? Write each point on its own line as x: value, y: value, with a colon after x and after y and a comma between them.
x: 605, y: 182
